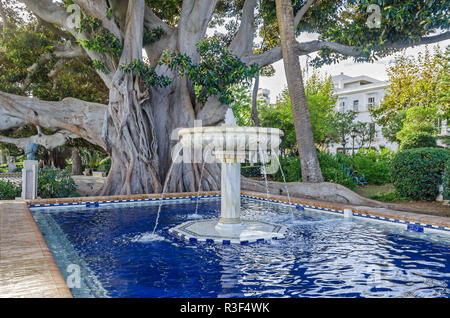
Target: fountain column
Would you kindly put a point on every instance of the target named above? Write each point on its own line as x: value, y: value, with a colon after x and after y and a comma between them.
x: 230, y: 207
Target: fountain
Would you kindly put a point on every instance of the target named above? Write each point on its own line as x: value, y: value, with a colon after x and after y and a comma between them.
x: 230, y: 145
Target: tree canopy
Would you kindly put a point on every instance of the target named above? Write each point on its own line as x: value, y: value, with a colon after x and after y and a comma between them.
x: 154, y: 66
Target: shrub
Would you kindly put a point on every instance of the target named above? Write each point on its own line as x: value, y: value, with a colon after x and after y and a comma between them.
x: 447, y: 181
x: 9, y: 191
x: 417, y: 173
x: 104, y: 165
x: 374, y: 165
x: 251, y: 171
x: 291, y: 168
x: 54, y: 183
x: 418, y: 140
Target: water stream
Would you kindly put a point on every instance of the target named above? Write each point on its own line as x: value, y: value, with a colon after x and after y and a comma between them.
x: 177, y: 155
x: 196, y: 215
x: 263, y: 158
x: 285, y: 183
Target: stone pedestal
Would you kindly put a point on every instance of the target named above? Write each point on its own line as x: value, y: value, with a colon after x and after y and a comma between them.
x: 230, y: 209
x: 29, y: 179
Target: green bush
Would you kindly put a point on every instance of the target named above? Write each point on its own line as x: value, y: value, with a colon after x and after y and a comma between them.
x: 374, y: 165
x: 447, y: 181
x: 54, y: 183
x: 417, y: 173
x: 418, y: 139
x: 104, y: 165
x: 9, y: 191
x: 251, y: 171
x: 333, y: 170
x: 291, y: 168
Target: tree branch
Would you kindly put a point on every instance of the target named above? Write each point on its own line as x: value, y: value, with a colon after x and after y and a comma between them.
x: 304, y: 48
x: 55, y: 14
x: 49, y: 142
x: 76, y: 116
x: 151, y: 21
x: 298, y: 17
x: 242, y: 43
x: 98, y: 9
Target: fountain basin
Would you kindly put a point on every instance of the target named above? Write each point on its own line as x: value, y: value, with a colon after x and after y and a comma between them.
x: 231, y: 145
x: 206, y: 231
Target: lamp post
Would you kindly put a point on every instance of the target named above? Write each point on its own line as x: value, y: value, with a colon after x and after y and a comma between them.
x: 353, y: 134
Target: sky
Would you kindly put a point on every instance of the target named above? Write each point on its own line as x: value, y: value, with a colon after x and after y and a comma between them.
x: 377, y: 70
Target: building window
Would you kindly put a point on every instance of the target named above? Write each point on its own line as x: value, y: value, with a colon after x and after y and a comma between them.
x: 370, y: 102
x: 342, y: 106
x: 355, y: 105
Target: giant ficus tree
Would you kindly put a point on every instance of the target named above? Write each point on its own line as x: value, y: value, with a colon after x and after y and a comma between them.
x: 186, y: 75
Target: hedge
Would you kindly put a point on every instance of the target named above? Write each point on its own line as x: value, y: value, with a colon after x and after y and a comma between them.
x: 417, y: 173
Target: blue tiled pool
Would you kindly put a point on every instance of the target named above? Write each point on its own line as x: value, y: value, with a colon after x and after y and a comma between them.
x: 324, y: 255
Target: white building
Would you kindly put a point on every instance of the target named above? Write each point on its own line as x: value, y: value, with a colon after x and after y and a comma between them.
x: 360, y: 94
x: 264, y: 94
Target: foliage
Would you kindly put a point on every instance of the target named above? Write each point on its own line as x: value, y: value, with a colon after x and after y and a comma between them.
x: 101, y: 39
x: 418, y: 127
x: 104, y: 165
x: 280, y: 116
x: 217, y: 70
x: 242, y: 105
x: 9, y: 191
x: 147, y: 73
x: 368, y: 166
x: 153, y: 35
x: 321, y: 102
x: 416, y: 97
x: 418, y: 139
x: 343, y: 124
x: 251, y: 171
x: 365, y: 134
x: 375, y: 165
x: 417, y: 173
x: 446, y: 182
x: 54, y: 183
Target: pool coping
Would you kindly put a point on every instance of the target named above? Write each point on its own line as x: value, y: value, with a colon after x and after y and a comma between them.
x: 51, y: 280
x: 27, y: 267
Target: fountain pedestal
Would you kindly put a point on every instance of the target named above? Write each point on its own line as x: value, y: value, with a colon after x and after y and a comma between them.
x: 230, y: 206
x: 231, y: 145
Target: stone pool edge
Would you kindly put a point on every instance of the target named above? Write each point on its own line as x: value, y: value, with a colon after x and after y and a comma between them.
x: 50, y: 280
x: 27, y: 267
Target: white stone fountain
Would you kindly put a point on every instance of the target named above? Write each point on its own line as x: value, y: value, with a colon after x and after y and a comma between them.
x: 231, y: 145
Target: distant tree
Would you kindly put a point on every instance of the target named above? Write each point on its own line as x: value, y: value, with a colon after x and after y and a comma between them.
x: 187, y: 75
x: 365, y: 133
x: 321, y: 102
x: 417, y: 96
x: 343, y: 124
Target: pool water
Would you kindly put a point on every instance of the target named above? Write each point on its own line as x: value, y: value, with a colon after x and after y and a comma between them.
x: 323, y: 255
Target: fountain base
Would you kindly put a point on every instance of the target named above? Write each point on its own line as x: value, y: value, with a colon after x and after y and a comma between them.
x: 210, y: 231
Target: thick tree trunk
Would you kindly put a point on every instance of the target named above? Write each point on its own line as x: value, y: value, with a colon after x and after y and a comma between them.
x: 308, y: 156
x: 139, y: 125
x: 77, y: 170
